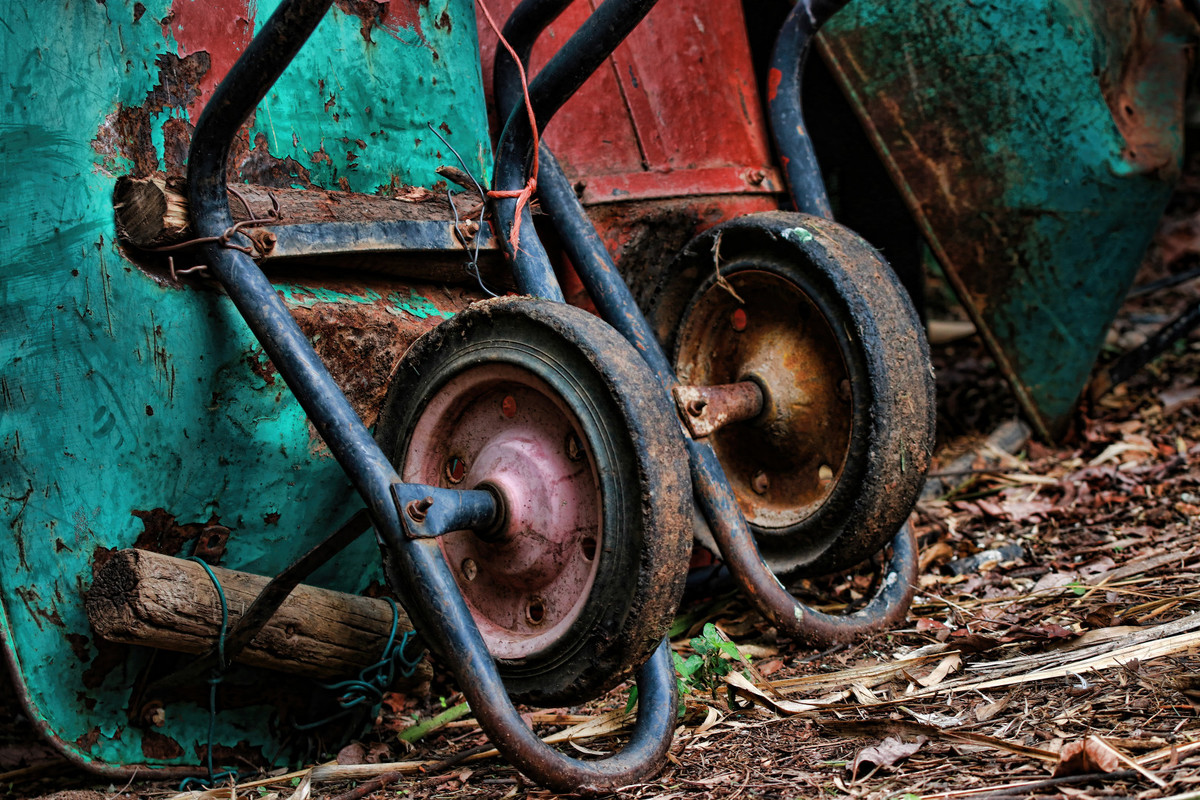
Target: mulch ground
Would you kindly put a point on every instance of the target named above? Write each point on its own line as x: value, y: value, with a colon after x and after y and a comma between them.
x: 1052, y: 650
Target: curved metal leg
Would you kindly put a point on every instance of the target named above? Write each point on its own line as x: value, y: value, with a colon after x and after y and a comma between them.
x: 733, y: 536
x: 801, y: 170
x: 414, y: 565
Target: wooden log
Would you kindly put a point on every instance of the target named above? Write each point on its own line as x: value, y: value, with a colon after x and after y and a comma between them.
x: 151, y: 212
x: 148, y: 213
x: 146, y: 598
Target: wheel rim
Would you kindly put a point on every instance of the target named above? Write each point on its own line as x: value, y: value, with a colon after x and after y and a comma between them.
x: 757, y: 325
x: 498, y: 426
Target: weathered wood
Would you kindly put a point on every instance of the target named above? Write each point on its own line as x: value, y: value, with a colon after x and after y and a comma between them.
x: 151, y: 212
x: 146, y: 598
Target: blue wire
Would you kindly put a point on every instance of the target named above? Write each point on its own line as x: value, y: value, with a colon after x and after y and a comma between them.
x: 372, y: 680
x: 214, y: 680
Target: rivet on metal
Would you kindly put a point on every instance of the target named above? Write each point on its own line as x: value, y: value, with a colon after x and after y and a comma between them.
x: 761, y: 483
x: 696, y: 407
x: 508, y: 406
x: 574, y: 447
x: 469, y: 569
x: 737, y: 320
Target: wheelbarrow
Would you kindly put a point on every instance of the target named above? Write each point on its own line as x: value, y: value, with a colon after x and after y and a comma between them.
x: 526, y: 481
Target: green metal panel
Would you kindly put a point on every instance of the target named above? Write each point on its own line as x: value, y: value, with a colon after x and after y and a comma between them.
x: 129, y: 402
x: 1037, y: 143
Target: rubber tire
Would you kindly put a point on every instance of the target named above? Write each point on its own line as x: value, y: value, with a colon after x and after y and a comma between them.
x: 645, y: 493
x: 883, y: 345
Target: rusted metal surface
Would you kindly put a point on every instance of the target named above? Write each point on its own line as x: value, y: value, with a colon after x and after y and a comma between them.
x: 526, y: 582
x: 782, y: 464
x: 829, y: 470
x: 707, y: 409
x: 1037, y: 168
x: 668, y: 138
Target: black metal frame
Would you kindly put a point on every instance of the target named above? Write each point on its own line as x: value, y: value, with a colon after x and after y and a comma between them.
x: 548, y: 91
x: 413, y: 562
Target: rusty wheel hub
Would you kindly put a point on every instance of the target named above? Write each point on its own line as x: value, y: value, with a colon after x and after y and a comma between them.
x: 782, y: 464
x: 498, y: 427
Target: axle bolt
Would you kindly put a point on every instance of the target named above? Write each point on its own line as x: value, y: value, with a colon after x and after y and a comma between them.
x: 761, y: 483
x: 418, y: 508
x: 696, y: 407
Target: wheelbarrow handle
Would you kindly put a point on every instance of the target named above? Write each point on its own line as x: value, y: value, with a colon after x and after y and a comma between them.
x: 788, y: 57
x: 414, y: 565
x: 571, y: 66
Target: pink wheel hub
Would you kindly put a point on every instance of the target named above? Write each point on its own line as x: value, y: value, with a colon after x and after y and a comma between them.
x: 499, y: 427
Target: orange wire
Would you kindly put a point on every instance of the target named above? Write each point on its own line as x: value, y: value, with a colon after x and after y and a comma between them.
x: 523, y: 196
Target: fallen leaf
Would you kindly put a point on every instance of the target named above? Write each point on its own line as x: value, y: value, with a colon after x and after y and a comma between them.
x: 353, y: 753
x: 1086, y: 757
x: 948, y: 664
x: 887, y: 753
x: 988, y: 710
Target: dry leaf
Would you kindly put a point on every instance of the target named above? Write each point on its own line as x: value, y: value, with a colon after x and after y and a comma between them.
x: 748, y: 691
x: 1086, y: 757
x: 353, y: 753
x: 887, y: 753
x: 948, y: 664
x: 985, y: 712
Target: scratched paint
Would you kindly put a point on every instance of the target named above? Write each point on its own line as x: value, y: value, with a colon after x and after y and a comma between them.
x: 120, y: 394
x: 1038, y: 166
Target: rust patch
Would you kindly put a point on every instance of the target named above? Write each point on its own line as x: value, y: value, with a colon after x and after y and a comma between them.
x: 361, y: 344
x: 392, y: 17
x: 259, y: 166
x: 88, y: 740
x: 30, y: 598
x: 161, y: 533
x: 1142, y: 89
x: 157, y: 747
x: 126, y: 133
x: 79, y: 646
x: 177, y: 138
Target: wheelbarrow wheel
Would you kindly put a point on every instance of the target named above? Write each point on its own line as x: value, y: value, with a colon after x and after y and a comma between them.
x: 831, y: 468
x: 548, y: 408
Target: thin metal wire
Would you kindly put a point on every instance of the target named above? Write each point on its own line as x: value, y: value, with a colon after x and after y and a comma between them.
x: 473, y: 267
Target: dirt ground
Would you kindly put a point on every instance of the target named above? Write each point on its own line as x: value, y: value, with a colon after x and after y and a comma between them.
x: 1052, y: 650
